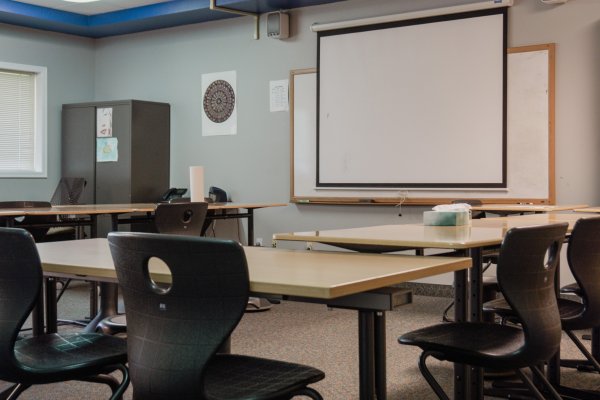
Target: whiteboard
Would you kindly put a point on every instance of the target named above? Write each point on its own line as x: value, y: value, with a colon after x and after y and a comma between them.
x: 413, y: 93
x: 530, y: 141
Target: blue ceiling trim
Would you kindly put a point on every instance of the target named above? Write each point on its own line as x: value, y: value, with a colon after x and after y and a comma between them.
x: 138, y: 19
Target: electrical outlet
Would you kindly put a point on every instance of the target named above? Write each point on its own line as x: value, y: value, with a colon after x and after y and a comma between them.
x: 258, y: 242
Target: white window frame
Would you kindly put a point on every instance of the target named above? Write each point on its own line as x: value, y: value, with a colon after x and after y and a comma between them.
x: 40, y: 168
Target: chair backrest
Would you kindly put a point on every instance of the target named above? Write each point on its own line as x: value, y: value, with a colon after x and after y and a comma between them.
x: 173, y: 333
x: 68, y: 191
x: 583, y: 254
x: 472, y: 202
x: 180, y: 218
x: 526, y: 275
x: 38, y: 233
x: 20, y: 283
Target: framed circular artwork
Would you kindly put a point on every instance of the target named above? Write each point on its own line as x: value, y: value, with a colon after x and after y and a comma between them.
x: 219, y: 101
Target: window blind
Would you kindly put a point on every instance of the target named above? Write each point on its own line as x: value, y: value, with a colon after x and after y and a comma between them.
x: 17, y: 120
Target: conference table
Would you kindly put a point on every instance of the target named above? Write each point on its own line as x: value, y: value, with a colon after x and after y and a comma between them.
x: 468, y: 240
x: 139, y: 212
x: 117, y: 210
x: 348, y: 280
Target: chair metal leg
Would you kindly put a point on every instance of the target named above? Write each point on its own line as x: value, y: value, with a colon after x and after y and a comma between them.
x: 542, y: 379
x: 308, y: 392
x: 435, y: 386
x: 117, y: 388
x: 16, y: 391
x: 118, y: 393
x: 583, y: 350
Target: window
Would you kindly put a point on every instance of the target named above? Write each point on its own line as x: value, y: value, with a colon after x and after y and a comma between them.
x: 22, y: 121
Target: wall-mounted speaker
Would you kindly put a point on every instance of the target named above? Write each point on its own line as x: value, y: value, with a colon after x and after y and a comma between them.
x: 278, y: 25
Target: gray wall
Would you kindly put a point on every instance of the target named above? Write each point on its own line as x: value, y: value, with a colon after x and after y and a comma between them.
x: 70, y: 63
x: 167, y: 65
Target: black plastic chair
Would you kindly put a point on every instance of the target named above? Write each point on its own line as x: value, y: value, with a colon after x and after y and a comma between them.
x: 583, y: 255
x: 67, y: 192
x: 38, y: 233
x: 53, y: 357
x: 526, y: 268
x: 180, y: 218
x: 172, y: 218
x: 174, y: 332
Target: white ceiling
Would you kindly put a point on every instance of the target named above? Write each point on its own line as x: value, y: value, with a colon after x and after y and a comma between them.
x: 95, y: 7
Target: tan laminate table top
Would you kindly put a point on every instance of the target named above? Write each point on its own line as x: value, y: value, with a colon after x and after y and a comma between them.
x: 404, y: 235
x: 480, y: 233
x: 315, y: 274
x: 95, y: 209
x: 525, y: 207
x: 588, y: 210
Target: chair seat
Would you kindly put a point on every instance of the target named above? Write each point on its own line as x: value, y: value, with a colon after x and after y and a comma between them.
x: 50, y: 356
x: 239, y: 377
x: 498, y: 306
x: 572, y: 288
x: 567, y: 309
x: 484, y: 344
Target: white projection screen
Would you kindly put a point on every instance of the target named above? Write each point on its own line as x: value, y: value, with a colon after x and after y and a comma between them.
x: 414, y: 104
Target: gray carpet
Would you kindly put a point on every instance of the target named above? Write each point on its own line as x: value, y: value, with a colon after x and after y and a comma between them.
x: 321, y: 337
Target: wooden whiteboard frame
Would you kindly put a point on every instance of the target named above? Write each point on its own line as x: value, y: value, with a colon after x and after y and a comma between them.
x: 382, y: 198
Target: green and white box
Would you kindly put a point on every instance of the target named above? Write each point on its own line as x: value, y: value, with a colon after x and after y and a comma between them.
x: 446, y: 218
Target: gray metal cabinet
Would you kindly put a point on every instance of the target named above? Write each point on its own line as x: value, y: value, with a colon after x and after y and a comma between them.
x: 142, y: 130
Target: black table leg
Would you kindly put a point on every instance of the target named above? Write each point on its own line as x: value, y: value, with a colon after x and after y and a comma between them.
x: 51, y: 306
x: 366, y: 336
x: 37, y: 315
x: 93, y: 226
x: 461, y: 311
x: 380, y: 354
x: 250, y: 227
x: 476, y: 315
x: 596, y: 343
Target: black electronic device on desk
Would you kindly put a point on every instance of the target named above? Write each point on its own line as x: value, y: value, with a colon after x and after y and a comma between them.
x: 173, y: 193
x: 217, y: 195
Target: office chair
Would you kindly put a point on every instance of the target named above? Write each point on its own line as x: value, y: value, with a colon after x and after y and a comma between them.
x: 67, y: 192
x: 53, y: 357
x: 180, y: 218
x: 174, y: 332
x: 526, y: 268
x: 583, y: 255
x: 172, y: 218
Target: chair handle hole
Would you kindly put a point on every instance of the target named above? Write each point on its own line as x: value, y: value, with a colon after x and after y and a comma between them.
x: 158, y: 275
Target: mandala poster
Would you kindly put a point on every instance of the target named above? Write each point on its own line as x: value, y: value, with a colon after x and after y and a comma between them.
x: 219, y: 104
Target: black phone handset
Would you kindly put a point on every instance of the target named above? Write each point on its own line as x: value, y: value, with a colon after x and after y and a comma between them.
x: 173, y: 193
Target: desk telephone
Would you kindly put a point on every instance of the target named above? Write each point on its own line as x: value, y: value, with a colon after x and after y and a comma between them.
x: 215, y: 194
x: 173, y: 193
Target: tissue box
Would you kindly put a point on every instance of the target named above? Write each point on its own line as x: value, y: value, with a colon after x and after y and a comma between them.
x: 446, y: 218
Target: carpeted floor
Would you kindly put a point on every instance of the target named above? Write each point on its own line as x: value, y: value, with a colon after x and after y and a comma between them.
x: 321, y: 337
